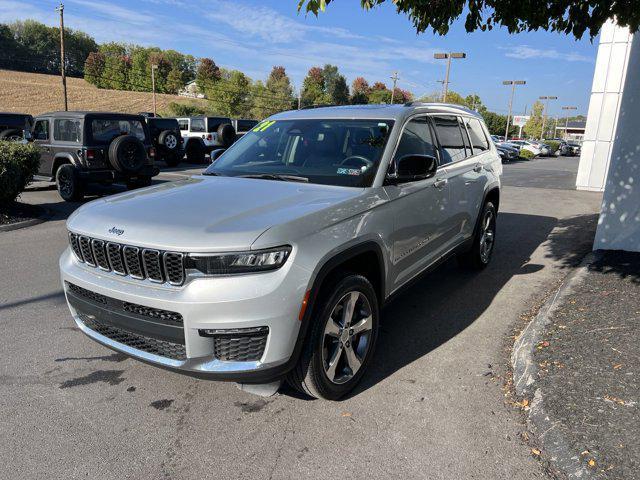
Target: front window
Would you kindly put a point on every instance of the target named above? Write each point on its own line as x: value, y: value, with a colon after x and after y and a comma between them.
x: 329, y: 152
x: 105, y: 130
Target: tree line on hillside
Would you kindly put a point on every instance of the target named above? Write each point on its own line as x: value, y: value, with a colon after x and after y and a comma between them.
x: 32, y: 46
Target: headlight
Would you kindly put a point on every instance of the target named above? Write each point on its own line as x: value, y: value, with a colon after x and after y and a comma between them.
x: 241, y: 262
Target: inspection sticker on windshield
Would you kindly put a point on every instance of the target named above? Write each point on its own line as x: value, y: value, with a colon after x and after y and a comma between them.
x: 263, y: 126
x: 349, y: 171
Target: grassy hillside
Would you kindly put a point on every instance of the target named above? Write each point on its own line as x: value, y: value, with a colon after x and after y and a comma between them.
x: 36, y: 93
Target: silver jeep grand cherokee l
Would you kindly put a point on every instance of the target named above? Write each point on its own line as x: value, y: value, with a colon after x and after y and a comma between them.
x: 275, y: 262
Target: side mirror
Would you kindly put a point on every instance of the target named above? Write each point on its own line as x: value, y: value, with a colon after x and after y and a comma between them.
x: 216, y: 153
x: 26, y: 134
x: 413, y: 167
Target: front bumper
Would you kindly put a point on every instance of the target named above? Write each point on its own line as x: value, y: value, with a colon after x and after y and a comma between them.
x: 270, y: 299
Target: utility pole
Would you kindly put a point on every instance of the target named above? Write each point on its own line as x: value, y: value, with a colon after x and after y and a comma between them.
x: 448, y: 57
x: 60, y: 9
x: 566, y: 123
x: 394, y: 77
x: 153, y: 86
x: 513, y: 84
x: 544, y: 116
x: 300, y: 98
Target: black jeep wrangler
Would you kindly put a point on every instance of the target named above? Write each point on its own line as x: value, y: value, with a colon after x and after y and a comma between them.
x: 78, y: 148
x: 166, y: 138
x: 13, y: 126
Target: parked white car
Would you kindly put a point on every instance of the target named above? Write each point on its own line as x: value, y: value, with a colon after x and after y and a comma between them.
x: 527, y: 145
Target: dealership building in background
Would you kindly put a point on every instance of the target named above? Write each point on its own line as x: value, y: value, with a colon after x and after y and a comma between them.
x: 610, y: 158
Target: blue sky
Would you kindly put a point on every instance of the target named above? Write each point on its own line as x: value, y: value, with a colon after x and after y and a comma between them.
x: 253, y: 35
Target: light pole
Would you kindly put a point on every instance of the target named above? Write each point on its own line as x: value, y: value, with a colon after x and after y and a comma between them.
x: 544, y: 116
x: 60, y: 9
x: 513, y: 84
x: 566, y: 124
x: 395, y: 81
x: 448, y: 57
x: 153, y: 86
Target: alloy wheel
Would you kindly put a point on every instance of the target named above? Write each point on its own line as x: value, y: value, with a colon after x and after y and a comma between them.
x: 487, y: 238
x: 347, y: 337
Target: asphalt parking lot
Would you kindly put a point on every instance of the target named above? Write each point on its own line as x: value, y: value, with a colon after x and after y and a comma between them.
x: 431, y: 407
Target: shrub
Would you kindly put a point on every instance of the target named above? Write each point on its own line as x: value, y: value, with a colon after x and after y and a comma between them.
x: 526, y: 154
x: 175, y: 109
x: 18, y: 164
x: 554, y: 145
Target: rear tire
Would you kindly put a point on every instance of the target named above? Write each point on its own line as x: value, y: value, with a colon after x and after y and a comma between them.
x: 195, y: 152
x: 11, y: 135
x: 479, y: 256
x: 69, y: 185
x: 339, y: 347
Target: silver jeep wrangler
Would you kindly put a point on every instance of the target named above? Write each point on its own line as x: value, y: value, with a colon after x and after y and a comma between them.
x: 275, y: 262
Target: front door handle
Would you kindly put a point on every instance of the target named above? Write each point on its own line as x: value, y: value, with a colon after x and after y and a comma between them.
x: 478, y: 168
x: 440, y: 183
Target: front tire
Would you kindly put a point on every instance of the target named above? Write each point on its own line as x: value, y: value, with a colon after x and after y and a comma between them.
x: 69, y: 185
x: 172, y: 159
x: 483, y: 242
x: 195, y: 152
x: 343, y: 335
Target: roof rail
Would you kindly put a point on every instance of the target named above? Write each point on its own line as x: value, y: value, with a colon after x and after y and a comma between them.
x: 320, y: 105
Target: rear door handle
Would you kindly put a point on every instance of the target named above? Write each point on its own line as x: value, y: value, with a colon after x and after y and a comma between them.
x: 440, y: 183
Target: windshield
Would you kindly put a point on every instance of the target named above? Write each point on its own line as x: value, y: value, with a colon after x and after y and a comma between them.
x: 105, y: 130
x: 329, y: 152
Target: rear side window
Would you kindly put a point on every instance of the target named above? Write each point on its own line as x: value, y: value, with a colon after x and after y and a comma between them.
x: 246, y: 125
x: 67, y: 130
x: 184, y: 124
x: 476, y: 133
x: 105, y: 130
x: 197, y: 125
x: 214, y: 122
x: 163, y: 124
x: 41, y: 130
x: 452, y: 142
x: 416, y: 139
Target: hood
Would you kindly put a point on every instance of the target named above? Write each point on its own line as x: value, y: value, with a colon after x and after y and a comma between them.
x: 204, y: 214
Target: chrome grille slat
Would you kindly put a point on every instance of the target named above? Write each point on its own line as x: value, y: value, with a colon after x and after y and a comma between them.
x: 132, y: 261
x: 100, y: 255
x: 152, y: 265
x: 127, y: 260
x: 75, y: 246
x: 174, y: 267
x: 114, y: 252
x: 87, y: 251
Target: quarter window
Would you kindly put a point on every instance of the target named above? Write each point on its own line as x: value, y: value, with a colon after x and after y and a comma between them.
x: 452, y: 142
x: 184, y: 124
x: 41, y: 130
x: 67, y: 130
x: 197, y: 125
x: 476, y: 132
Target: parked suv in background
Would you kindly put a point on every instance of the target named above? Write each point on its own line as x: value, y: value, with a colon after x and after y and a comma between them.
x: 275, y: 262
x: 13, y: 126
x: 243, y: 125
x: 78, y: 148
x: 202, y: 135
x: 167, y: 140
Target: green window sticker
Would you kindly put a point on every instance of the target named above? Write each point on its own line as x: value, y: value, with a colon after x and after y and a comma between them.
x: 263, y: 126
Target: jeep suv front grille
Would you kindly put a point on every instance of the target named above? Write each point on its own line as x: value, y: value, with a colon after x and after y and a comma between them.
x: 128, y: 260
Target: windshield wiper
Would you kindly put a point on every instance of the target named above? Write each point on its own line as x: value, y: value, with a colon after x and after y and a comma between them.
x: 276, y: 176
x: 213, y: 174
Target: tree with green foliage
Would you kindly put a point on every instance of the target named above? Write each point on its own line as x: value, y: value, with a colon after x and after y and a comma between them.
x: 533, y: 127
x: 175, y: 109
x: 496, y: 123
x: 230, y: 96
x: 379, y: 93
x: 94, y: 69
x: 575, y: 17
x: 275, y: 95
x: 207, y: 74
x: 360, y: 91
x: 335, y: 85
x: 174, y: 81
x: 313, y: 88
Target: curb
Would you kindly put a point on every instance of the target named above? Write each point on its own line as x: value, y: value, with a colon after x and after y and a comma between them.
x: 525, y: 372
x: 45, y: 215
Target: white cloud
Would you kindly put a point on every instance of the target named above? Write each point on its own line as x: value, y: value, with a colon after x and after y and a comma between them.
x: 525, y: 52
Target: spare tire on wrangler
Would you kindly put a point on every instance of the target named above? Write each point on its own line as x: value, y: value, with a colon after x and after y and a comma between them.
x: 127, y: 154
x: 169, y: 139
x: 226, y: 134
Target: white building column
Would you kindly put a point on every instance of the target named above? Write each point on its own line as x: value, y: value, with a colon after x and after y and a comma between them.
x: 604, y: 106
x: 619, y: 223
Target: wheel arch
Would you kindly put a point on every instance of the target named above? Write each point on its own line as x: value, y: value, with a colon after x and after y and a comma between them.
x: 59, y: 160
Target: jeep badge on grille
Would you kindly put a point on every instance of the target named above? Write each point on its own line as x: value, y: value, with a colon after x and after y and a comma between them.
x: 116, y: 231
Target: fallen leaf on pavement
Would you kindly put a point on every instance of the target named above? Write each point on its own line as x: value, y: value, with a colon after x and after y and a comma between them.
x: 346, y: 414
x: 617, y: 367
x: 536, y: 452
x: 591, y: 463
